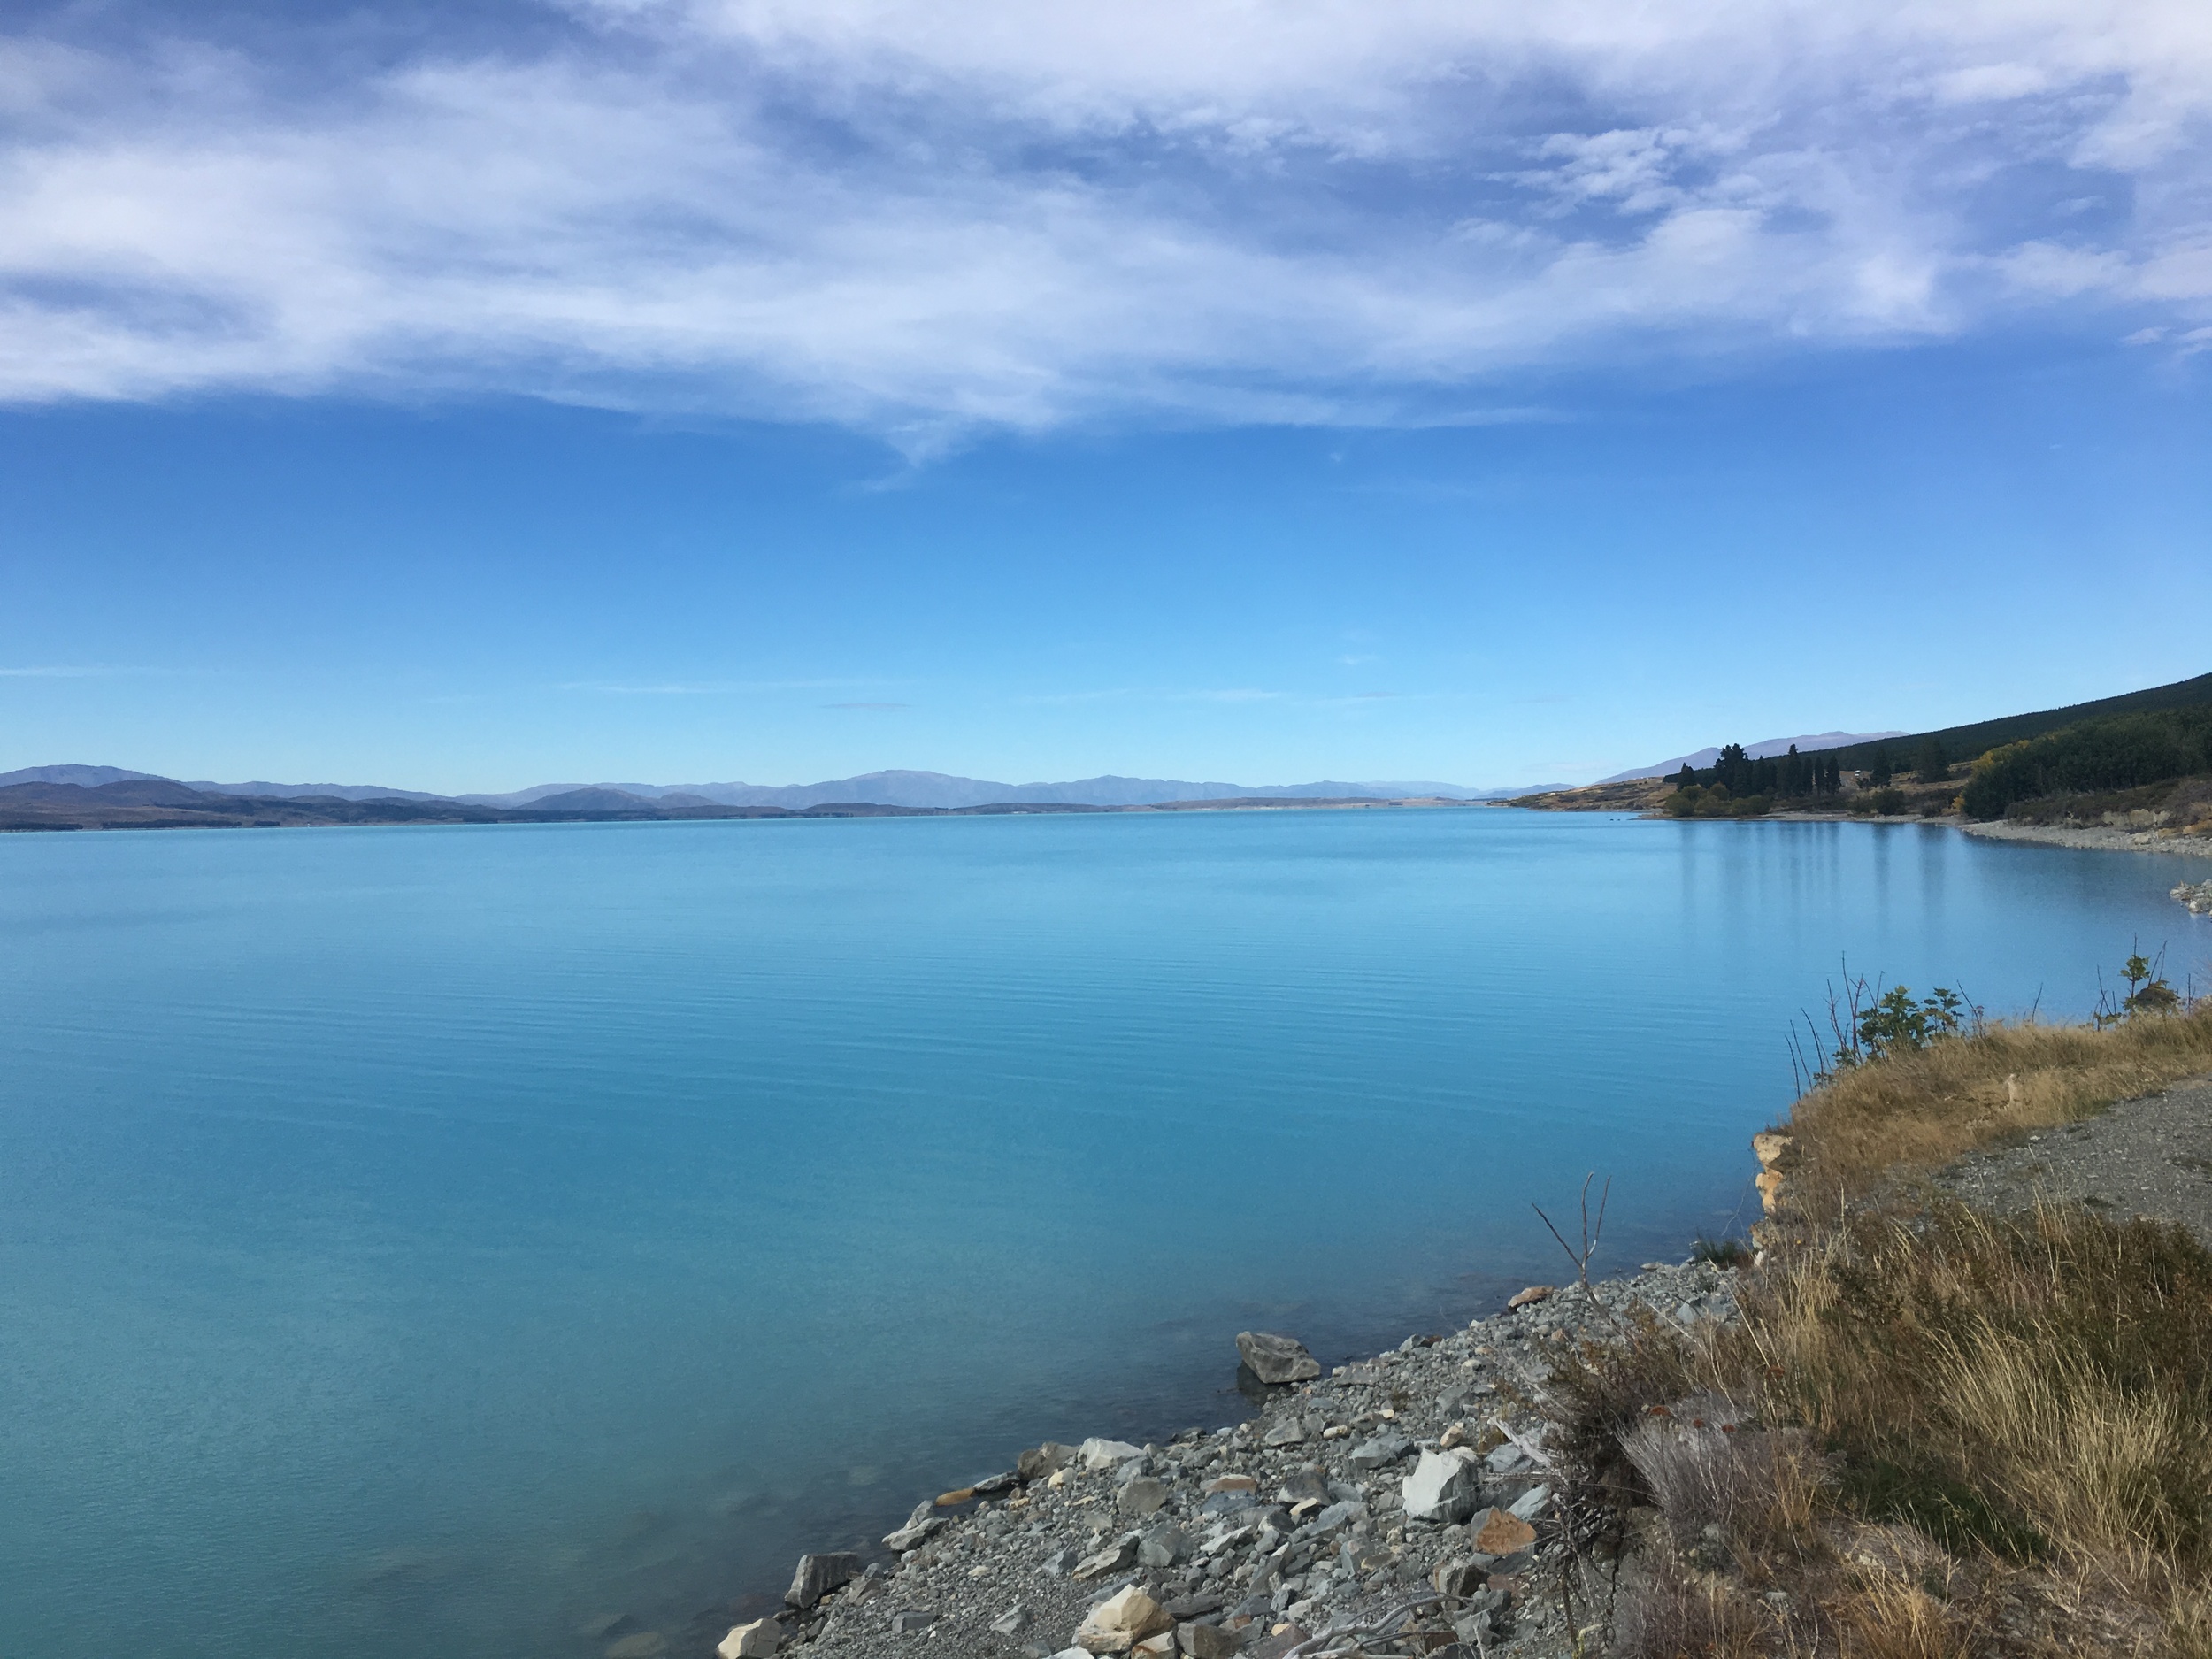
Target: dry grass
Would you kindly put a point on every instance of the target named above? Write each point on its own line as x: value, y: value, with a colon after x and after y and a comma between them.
x: 1913, y: 1410
x: 1918, y: 1111
x: 1938, y: 1434
x: 1885, y: 1614
x: 2038, y: 1388
x: 1672, y: 1611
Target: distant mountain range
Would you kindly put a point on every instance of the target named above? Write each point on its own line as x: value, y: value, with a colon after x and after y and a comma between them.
x: 921, y: 789
x: 939, y: 789
x: 1760, y: 750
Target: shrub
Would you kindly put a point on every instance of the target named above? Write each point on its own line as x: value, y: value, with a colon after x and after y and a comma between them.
x: 1728, y: 1253
x: 1715, y: 801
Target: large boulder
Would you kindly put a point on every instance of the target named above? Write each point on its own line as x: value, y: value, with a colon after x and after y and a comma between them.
x: 1277, y: 1359
x: 1163, y: 1546
x: 1099, y: 1454
x: 756, y: 1640
x: 1145, y: 1495
x: 918, y: 1526
x: 1040, y: 1461
x: 1443, y: 1486
x: 1120, y: 1622
x: 818, y: 1575
x: 1116, y: 1557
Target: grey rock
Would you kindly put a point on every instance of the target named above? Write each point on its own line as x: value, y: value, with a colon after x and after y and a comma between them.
x: 1385, y: 1448
x: 1118, y: 1556
x: 1098, y: 1454
x: 1205, y: 1641
x: 1040, y: 1461
x: 1186, y: 1607
x: 1475, y: 1625
x: 911, y: 1535
x: 1013, y: 1622
x: 1284, y: 1431
x: 1277, y: 1359
x: 1147, y: 1495
x: 1443, y: 1486
x: 1337, y: 1517
x: 1505, y: 1459
x: 1305, y: 1482
x: 1062, y: 1560
x: 1461, y: 1578
x: 1163, y: 1546
x: 818, y: 1575
x: 1228, y: 1502
x: 911, y: 1621
x: 1530, y: 1504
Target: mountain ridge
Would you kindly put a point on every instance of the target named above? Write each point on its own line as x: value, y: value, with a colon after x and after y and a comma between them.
x: 903, y: 789
x: 1805, y: 744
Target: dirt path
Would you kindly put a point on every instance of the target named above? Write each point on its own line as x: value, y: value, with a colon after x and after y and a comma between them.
x: 2151, y: 1156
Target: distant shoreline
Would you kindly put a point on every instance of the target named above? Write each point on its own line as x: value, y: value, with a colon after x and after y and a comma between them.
x: 28, y: 809
x: 1642, y: 796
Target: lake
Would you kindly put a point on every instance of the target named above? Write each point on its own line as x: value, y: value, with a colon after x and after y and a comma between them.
x: 424, y: 1241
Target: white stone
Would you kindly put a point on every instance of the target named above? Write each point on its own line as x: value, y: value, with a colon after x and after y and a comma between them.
x: 1097, y: 1454
x: 1443, y: 1486
x: 1120, y: 1622
x: 762, y: 1636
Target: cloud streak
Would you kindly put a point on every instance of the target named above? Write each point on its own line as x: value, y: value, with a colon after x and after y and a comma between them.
x: 920, y: 220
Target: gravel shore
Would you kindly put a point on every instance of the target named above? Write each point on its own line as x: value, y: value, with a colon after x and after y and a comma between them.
x: 2148, y: 1158
x: 1352, y: 1497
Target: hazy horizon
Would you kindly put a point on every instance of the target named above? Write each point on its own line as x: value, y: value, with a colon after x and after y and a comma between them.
x: 452, y: 396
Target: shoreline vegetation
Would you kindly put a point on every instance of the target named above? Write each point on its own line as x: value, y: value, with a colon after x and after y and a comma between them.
x: 1890, y: 1426
x: 2136, y: 781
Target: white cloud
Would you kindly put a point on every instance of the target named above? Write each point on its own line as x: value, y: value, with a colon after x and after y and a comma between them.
x: 919, y: 219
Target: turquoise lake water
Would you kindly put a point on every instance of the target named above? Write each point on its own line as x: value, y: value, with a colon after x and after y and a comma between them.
x: 421, y: 1242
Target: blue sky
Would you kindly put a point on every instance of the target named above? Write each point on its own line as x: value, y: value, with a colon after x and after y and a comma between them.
x: 463, y: 397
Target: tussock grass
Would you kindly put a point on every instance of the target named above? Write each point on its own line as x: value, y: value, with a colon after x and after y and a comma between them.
x: 1918, y: 1110
x: 1939, y: 1434
x: 2038, y: 1387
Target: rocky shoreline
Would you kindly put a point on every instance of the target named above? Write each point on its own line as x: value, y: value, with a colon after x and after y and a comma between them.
x: 2095, y: 838
x: 1403, y: 1505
